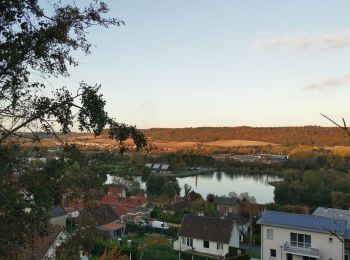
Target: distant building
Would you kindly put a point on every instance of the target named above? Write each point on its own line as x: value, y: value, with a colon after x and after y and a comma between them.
x: 226, y: 205
x: 159, y: 168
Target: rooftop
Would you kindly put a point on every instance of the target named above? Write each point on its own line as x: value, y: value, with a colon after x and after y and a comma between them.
x: 303, y: 222
x: 57, y: 211
x: 112, y: 226
x: 338, y: 214
x: 225, y: 201
x: 206, y: 228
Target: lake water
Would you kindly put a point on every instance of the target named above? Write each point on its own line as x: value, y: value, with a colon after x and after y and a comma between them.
x: 223, y: 183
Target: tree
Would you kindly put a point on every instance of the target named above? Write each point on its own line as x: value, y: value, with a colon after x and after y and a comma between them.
x: 157, y: 248
x: 187, y: 189
x: 171, y: 188
x: 201, y: 206
x: 36, y: 43
x: 154, y: 184
x: 210, y: 197
x: 193, y: 196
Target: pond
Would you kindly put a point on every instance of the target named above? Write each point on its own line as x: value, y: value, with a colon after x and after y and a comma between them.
x: 221, y: 183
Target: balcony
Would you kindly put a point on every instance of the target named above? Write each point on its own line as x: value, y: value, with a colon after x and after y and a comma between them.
x: 303, y: 251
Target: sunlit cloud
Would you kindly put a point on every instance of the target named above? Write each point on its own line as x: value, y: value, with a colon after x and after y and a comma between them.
x: 303, y: 41
x: 329, y: 83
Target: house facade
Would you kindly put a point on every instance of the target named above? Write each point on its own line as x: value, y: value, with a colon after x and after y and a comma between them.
x: 290, y: 236
x: 207, y: 235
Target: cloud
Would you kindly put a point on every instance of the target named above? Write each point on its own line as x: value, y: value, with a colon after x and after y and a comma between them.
x: 329, y: 83
x: 303, y: 41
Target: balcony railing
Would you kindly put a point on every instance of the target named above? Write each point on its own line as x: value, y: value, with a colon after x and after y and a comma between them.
x: 301, y: 250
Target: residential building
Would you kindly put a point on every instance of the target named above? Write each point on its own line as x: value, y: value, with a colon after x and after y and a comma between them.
x: 116, y: 191
x: 44, y: 248
x: 337, y: 214
x: 177, y: 207
x: 108, y: 221
x: 290, y: 236
x: 226, y: 205
x: 207, y: 235
x: 58, y: 216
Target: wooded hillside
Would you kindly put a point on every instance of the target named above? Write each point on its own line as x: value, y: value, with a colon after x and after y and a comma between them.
x: 307, y: 135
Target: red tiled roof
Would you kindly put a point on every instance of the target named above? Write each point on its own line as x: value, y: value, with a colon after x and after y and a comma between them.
x: 132, y: 201
x: 109, y: 200
x: 120, y: 210
x: 112, y: 226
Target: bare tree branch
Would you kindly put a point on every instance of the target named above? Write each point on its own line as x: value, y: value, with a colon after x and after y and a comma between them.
x: 345, y: 128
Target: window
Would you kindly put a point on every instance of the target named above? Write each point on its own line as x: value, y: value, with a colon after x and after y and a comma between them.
x: 190, y: 242
x: 183, y: 240
x: 289, y: 257
x: 273, y: 253
x: 330, y: 240
x: 269, y: 234
x: 220, y: 246
x: 300, y: 240
x: 206, y: 244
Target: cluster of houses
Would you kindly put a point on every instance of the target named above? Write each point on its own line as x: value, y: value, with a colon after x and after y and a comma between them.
x: 323, y: 235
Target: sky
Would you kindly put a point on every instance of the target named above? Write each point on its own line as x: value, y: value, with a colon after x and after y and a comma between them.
x: 221, y: 62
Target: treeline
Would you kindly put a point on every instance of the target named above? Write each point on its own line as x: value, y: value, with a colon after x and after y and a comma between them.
x: 307, y: 135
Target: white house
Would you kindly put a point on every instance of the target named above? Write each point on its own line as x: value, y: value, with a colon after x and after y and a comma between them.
x: 44, y: 248
x: 207, y: 235
x: 289, y: 236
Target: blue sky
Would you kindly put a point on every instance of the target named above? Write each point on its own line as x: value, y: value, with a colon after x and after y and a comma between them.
x: 222, y: 63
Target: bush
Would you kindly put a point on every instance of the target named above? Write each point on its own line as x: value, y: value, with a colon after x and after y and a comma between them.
x: 172, y: 231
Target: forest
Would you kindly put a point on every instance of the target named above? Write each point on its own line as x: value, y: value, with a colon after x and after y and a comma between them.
x: 306, y: 135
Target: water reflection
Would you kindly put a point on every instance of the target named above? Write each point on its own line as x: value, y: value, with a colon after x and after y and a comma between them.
x: 221, y: 183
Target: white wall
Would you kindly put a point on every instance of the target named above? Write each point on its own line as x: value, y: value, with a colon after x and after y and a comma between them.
x: 60, y: 220
x: 198, y: 246
x: 318, y: 240
x: 234, y: 240
x: 51, y: 252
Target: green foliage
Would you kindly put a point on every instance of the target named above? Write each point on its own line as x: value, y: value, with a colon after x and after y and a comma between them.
x: 157, y: 248
x: 201, y: 206
x: 171, y: 188
x: 172, y: 231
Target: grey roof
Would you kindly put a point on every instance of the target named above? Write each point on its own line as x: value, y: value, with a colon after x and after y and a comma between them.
x: 206, y: 228
x: 57, y: 211
x: 303, y: 222
x: 225, y: 201
x: 347, y: 233
x: 164, y: 166
x: 338, y: 214
x: 156, y: 166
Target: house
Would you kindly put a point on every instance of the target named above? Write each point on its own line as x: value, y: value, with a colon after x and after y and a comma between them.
x: 116, y: 191
x: 226, y: 205
x: 207, y: 235
x: 291, y: 236
x: 243, y: 223
x: 58, y: 216
x: 177, y: 207
x: 107, y: 221
x: 159, y: 168
x: 44, y: 247
x: 336, y: 214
